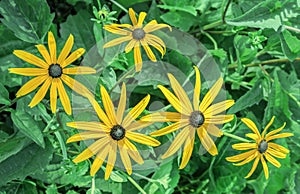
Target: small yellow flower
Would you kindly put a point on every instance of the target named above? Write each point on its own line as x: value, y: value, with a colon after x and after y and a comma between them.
x: 192, y: 117
x: 138, y: 35
x: 52, y: 72
x: 113, y: 133
x: 262, y: 149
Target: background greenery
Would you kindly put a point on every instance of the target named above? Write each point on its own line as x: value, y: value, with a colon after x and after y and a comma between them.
x: 255, y: 43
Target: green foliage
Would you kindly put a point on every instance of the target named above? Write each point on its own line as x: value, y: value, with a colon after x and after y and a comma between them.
x: 253, y: 45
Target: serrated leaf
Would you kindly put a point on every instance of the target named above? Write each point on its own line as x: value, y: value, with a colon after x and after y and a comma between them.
x: 28, y: 126
x: 290, y: 45
x: 29, y: 20
x: 31, y: 159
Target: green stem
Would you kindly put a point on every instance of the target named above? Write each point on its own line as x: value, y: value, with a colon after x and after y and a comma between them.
x: 132, y: 70
x: 93, y: 185
x: 213, y: 25
x: 119, y: 5
x: 291, y: 28
x: 134, y: 183
x: 8, y: 105
x: 232, y: 66
x: 235, y: 137
x: 211, y: 39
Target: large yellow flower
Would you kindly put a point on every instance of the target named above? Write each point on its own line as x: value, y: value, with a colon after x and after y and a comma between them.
x: 113, y: 133
x: 262, y: 149
x: 138, y: 35
x: 191, y: 117
x: 52, y: 72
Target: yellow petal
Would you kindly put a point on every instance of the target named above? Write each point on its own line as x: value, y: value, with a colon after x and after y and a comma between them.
x: 149, y: 52
x: 86, y: 136
x: 218, y: 119
x: 278, y: 147
x: 180, y: 93
x: 174, y: 101
x: 211, y: 95
x: 133, y: 152
x: 244, y: 146
x: 79, y: 70
x: 41, y: 93
x: 169, y: 129
x: 157, y: 46
x: 99, y: 159
x: 196, y: 98
x: 122, y: 104
x: 142, y: 17
x: 66, y: 50
x: 72, y: 57
x: 188, y: 148
x: 117, y: 41
x: 141, y: 138
x: 207, y: 142
x: 241, y: 156
x: 137, y: 57
x: 91, y: 150
x: 31, y: 85
x: 76, y: 86
x: 138, y: 125
x: 136, y: 111
x: 272, y: 160
x: 44, y: 52
x: 150, y: 27
x: 177, y: 142
x: 30, y: 58
x: 111, y: 160
x: 214, y: 130
x: 108, y: 106
x: 252, y: 136
x: 219, y: 107
x: 132, y: 17
x: 117, y: 30
x: 253, y: 167
x: 265, y: 167
x: 154, y: 39
x: 267, y: 127
x: 63, y: 96
x: 275, y: 131
x: 53, y: 94
x: 282, y: 135
x: 125, y: 159
x: 102, y: 116
x: 276, y: 153
x: 28, y: 71
x: 52, y: 47
x: 248, y: 159
x: 164, y: 117
x: 89, y: 126
x: 130, y: 45
x: 251, y: 125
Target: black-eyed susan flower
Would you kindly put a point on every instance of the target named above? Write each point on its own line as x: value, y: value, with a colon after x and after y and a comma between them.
x: 138, y: 35
x: 52, y: 72
x: 191, y: 117
x: 113, y: 134
x: 261, y: 149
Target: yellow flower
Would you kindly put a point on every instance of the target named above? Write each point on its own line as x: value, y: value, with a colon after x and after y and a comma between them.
x: 114, y: 132
x: 262, y: 149
x: 191, y: 117
x: 138, y: 35
x: 52, y: 72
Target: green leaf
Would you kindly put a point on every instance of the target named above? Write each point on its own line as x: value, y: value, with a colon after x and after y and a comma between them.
x: 81, y: 27
x: 31, y: 159
x: 28, y: 126
x: 185, y: 8
x: 253, y: 96
x: 12, y: 146
x: 29, y: 20
x: 182, y: 20
x: 73, y: 2
x: 4, y: 96
x: 290, y: 45
x: 266, y: 14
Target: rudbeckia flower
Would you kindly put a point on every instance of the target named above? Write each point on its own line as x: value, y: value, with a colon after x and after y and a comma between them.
x: 262, y: 149
x: 191, y: 117
x: 113, y: 134
x: 52, y: 73
x: 138, y: 35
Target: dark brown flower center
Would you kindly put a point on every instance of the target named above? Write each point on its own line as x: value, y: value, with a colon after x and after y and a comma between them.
x: 196, y: 119
x: 55, y: 70
x: 117, y: 132
x: 262, y: 146
x: 138, y: 34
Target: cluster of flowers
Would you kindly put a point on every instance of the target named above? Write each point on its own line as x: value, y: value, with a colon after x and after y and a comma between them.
x: 115, y: 131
